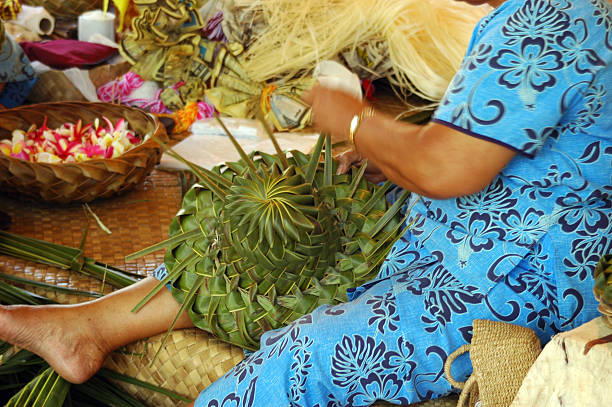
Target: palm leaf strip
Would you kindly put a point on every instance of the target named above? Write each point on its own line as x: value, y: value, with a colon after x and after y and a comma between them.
x: 63, y: 257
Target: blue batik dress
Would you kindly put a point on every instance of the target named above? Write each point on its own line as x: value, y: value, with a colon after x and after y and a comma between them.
x: 536, y: 79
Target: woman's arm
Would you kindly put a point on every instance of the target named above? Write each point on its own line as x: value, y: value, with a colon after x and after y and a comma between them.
x: 432, y: 160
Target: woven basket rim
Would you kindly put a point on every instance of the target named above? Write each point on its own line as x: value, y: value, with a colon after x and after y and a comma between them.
x: 80, y: 181
x: 150, y: 142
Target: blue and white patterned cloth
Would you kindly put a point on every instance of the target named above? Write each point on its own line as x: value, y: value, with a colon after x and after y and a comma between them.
x: 536, y: 79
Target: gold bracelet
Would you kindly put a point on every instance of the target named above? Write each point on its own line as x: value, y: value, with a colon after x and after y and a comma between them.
x: 366, y: 112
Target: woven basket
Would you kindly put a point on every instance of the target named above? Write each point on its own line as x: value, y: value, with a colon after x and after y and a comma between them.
x: 501, y: 355
x: 65, y: 8
x: 82, y: 181
x: 605, y: 307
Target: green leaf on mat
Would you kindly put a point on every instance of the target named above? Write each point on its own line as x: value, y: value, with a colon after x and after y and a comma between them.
x: 109, y: 374
x: 46, y: 390
x: 49, y: 287
x: 63, y: 257
x: 97, y: 219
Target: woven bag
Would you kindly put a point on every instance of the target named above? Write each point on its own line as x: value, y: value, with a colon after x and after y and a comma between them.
x: 602, y: 273
x: 65, y: 8
x: 79, y: 181
x: 501, y: 355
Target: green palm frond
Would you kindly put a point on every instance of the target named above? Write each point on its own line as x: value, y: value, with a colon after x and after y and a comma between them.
x: 48, y: 287
x: 64, y: 257
x: 46, y: 390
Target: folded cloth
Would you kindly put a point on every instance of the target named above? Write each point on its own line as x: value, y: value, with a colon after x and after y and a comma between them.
x: 62, y: 54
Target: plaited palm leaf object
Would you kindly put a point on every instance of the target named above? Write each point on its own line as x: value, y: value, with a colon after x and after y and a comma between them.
x: 264, y: 240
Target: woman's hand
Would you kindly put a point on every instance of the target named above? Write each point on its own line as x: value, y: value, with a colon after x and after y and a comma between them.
x: 351, y: 157
x: 332, y: 111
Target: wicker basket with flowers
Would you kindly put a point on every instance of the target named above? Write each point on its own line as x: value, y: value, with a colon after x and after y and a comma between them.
x: 76, y: 152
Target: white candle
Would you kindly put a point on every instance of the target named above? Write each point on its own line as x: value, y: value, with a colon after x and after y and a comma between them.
x: 96, y: 22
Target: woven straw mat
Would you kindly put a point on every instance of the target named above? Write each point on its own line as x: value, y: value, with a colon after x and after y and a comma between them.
x: 191, y: 359
x: 136, y: 219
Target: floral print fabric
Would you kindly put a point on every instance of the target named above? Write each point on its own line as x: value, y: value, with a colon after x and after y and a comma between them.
x: 352, y: 355
x: 536, y: 79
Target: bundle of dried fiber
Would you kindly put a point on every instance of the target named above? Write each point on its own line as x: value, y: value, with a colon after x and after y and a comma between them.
x: 424, y: 40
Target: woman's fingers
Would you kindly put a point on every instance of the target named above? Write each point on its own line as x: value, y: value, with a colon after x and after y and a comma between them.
x: 332, y: 110
x: 346, y: 159
x: 308, y: 96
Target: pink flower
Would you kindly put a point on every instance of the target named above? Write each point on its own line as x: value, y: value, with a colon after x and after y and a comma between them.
x: 93, y: 151
x: 205, y: 110
x: 133, y: 138
x: 22, y: 154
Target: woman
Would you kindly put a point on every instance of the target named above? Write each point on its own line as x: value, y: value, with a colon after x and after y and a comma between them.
x: 512, y: 210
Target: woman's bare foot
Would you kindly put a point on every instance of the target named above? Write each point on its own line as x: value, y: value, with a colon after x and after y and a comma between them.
x: 75, y: 339
x: 65, y: 336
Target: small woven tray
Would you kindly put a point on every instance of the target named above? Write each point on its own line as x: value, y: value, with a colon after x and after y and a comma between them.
x: 81, y: 181
x: 65, y: 8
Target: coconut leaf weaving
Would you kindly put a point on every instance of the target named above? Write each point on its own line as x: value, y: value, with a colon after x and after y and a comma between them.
x: 265, y: 240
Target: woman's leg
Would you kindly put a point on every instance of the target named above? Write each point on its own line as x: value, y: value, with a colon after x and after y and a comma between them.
x: 349, y: 354
x: 389, y: 343
x: 75, y: 339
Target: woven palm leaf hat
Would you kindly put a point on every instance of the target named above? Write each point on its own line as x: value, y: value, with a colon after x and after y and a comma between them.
x: 80, y: 181
x: 264, y: 240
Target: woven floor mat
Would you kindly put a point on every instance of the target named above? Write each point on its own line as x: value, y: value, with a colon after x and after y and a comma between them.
x: 449, y: 401
x: 189, y: 361
x: 136, y: 219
